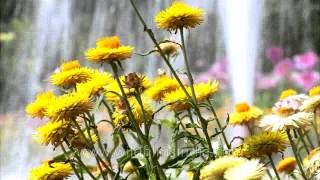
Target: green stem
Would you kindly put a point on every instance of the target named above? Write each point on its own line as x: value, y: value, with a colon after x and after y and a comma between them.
x: 80, y: 161
x: 71, y: 164
x: 145, y: 141
x: 219, y: 124
x: 294, y: 149
x: 274, y: 167
x: 309, y: 139
x: 303, y: 141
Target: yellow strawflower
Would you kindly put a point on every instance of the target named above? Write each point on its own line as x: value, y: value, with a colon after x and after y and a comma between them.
x: 287, y: 165
x: 114, y: 87
x: 169, y: 48
x: 51, y: 171
x: 315, y: 91
x: 265, y: 143
x: 97, y: 84
x: 71, y: 77
x: 108, y: 49
x: 70, y: 65
x: 249, y: 170
x: 52, y: 133
x: 129, y: 167
x: 120, y: 114
x: 162, y: 84
x: 205, y: 90
x: 215, y: 169
x: 38, y: 107
x: 287, y: 93
x: 69, y: 106
x: 244, y: 114
x: 179, y: 15
x: 179, y: 99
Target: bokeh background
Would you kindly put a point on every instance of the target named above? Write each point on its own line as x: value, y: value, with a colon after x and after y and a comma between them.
x: 282, y: 43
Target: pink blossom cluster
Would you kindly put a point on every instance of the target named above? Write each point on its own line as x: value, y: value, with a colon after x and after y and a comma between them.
x: 299, y: 70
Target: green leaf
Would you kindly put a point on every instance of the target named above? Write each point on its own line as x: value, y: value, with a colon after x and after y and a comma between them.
x: 62, y: 157
x: 192, y: 125
x: 127, y: 156
x: 187, y: 159
x: 168, y: 123
x: 220, y: 151
x: 170, y: 162
x: 190, y: 136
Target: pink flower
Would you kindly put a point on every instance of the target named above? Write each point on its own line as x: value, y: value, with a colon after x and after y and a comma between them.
x: 283, y: 67
x: 218, y: 71
x: 266, y: 82
x: 305, y: 61
x: 274, y: 54
x: 306, y: 79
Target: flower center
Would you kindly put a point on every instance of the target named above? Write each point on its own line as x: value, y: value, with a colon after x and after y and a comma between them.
x: 287, y: 93
x: 314, y: 91
x: 242, y: 107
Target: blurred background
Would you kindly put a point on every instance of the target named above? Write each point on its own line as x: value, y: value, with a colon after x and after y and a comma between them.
x: 255, y: 48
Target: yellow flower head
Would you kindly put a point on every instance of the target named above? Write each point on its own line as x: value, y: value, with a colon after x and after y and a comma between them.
x: 315, y: 91
x: 179, y: 15
x: 96, y: 84
x: 51, y: 171
x: 71, y: 77
x: 163, y: 84
x: 108, y: 49
x: 178, y: 99
x: 249, y: 170
x: 264, y: 143
x: 69, y: 65
x: 114, y: 87
x: 299, y: 120
x: 287, y: 165
x: 244, y: 114
x: 108, y: 42
x: 310, y: 105
x: 38, y: 107
x: 69, y: 106
x: 215, y: 169
x: 311, y: 163
x: 120, y: 114
x: 205, y: 90
x: 169, y: 48
x: 52, y: 133
x: 287, y: 93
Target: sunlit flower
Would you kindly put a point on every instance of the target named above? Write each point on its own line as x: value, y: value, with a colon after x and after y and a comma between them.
x: 70, y: 65
x: 289, y: 105
x: 276, y: 122
x: 162, y: 84
x: 244, y: 114
x: 312, y: 104
x: 51, y: 171
x: 287, y: 165
x: 69, y: 106
x: 311, y: 163
x: 249, y: 170
x: 113, y: 89
x: 38, y: 107
x: 305, y: 61
x: 179, y: 15
x: 215, y: 169
x: 205, y: 90
x: 108, y: 49
x: 97, y: 84
x: 52, y: 133
x: 274, y: 54
x: 283, y: 68
x: 71, y: 77
x: 121, y: 116
x: 287, y: 93
x: 306, y: 79
x: 169, y: 48
x: 263, y: 144
x: 178, y: 99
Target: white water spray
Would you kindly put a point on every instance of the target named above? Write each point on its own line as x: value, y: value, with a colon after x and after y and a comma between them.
x: 241, y: 31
